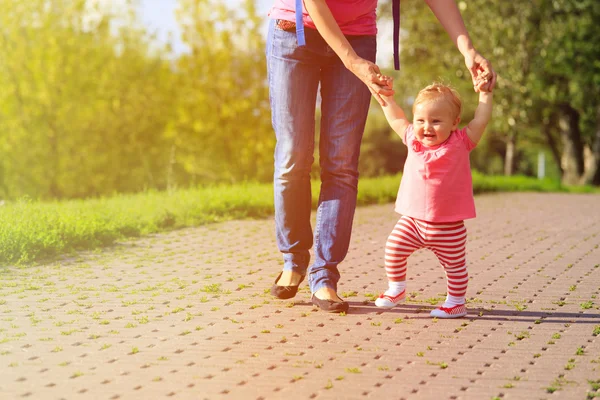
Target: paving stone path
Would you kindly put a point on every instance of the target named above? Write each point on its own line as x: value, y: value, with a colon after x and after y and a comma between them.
x: 187, y: 315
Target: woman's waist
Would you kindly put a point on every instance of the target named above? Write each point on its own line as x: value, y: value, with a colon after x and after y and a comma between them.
x: 359, y: 19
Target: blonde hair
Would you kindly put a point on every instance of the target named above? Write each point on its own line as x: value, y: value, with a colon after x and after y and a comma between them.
x: 439, y: 91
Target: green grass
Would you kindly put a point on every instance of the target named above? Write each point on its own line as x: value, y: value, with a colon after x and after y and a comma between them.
x: 34, y: 231
x: 485, y: 184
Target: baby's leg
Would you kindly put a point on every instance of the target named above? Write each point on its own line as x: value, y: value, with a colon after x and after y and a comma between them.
x: 448, y: 245
x: 401, y: 243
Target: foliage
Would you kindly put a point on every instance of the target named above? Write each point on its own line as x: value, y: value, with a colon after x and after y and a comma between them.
x: 382, y: 151
x: 428, y: 55
x: 78, y: 104
x: 91, y: 105
x: 222, y: 126
x: 569, y: 62
x: 544, y: 51
x: 545, y: 54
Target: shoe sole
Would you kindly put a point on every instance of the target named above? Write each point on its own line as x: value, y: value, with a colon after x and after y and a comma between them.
x: 444, y: 315
x: 448, y: 316
x: 387, y: 307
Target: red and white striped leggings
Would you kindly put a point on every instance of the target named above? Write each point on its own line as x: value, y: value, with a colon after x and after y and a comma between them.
x: 447, y: 240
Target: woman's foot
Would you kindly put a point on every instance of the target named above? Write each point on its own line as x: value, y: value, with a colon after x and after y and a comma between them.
x: 289, y: 278
x: 328, y: 300
x: 328, y: 294
x: 286, y: 285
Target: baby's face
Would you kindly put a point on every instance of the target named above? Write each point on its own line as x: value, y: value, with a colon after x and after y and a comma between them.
x: 434, y: 121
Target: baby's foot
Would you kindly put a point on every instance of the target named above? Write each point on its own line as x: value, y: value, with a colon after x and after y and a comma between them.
x: 456, y: 311
x: 389, y: 299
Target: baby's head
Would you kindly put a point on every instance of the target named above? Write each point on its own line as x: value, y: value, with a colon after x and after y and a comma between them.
x: 439, y: 92
x: 436, y: 114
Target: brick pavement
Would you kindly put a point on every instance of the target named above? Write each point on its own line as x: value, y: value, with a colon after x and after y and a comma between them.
x: 188, y: 315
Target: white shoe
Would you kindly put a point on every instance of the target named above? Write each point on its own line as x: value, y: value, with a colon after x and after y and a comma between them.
x: 386, y: 301
x: 457, y: 311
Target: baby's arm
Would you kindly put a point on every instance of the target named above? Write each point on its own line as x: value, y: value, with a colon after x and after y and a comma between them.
x: 483, y: 113
x: 395, y: 116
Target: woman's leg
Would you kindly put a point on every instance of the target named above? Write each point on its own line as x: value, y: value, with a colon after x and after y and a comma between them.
x: 345, y: 104
x: 293, y: 74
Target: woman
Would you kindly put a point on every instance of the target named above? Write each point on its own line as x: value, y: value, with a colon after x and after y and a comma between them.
x: 330, y: 45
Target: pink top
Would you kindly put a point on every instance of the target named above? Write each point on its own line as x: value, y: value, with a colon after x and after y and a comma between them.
x: 436, y: 183
x: 356, y: 17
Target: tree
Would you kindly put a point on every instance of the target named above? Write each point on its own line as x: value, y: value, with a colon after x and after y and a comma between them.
x: 222, y: 127
x: 568, y: 73
x: 427, y: 55
x: 549, y: 84
x: 78, y: 102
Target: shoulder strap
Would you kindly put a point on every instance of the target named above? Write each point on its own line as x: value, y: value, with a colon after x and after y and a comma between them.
x: 300, y: 24
x: 396, y: 14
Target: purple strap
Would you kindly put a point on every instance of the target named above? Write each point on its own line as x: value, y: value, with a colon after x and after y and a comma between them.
x: 396, y: 14
x: 299, y: 24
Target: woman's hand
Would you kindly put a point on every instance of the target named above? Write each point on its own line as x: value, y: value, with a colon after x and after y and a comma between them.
x: 369, y: 73
x: 482, y: 73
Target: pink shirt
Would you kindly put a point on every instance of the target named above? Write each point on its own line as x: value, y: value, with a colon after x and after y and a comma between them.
x: 436, y: 183
x: 355, y: 17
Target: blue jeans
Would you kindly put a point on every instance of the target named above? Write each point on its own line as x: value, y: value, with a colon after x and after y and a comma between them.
x: 295, y: 74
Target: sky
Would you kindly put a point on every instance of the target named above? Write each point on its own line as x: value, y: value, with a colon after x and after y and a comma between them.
x: 159, y: 17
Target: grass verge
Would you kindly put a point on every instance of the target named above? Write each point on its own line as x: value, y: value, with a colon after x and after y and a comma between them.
x: 32, y: 231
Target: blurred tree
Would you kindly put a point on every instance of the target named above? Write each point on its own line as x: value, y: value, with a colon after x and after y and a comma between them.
x: 79, y: 101
x: 382, y: 151
x: 549, y: 86
x: 548, y: 92
x: 222, y: 129
x: 90, y: 105
x: 568, y: 79
x: 427, y: 55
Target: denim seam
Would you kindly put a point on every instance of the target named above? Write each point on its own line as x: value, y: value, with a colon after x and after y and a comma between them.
x: 317, y: 233
x: 270, y: 47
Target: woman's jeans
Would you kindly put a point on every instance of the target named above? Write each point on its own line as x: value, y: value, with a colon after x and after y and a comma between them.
x: 295, y: 74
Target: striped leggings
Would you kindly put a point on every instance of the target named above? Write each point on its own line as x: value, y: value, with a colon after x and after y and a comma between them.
x: 447, y: 240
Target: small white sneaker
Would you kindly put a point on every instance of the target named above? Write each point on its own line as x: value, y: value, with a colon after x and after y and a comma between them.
x: 457, y: 311
x: 385, y: 301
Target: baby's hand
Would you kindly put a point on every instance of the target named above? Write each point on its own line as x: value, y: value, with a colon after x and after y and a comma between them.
x: 389, y: 81
x: 388, y: 84
x: 483, y: 82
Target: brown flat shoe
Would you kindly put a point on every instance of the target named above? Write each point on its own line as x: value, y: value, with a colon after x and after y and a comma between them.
x: 285, y: 292
x: 330, y: 305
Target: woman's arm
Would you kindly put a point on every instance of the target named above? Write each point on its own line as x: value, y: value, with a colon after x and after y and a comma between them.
x: 483, y: 114
x: 447, y: 12
x: 365, y: 70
